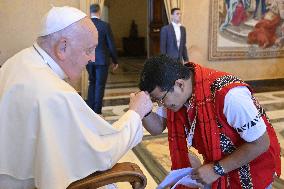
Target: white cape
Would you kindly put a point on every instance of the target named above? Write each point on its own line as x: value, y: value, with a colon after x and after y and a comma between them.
x: 47, y: 131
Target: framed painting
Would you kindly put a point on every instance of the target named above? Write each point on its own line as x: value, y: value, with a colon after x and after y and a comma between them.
x: 246, y: 29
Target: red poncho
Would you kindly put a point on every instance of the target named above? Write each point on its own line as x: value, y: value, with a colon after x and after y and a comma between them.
x: 210, y: 88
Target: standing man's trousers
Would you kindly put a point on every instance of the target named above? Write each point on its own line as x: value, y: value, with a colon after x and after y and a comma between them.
x: 97, y: 81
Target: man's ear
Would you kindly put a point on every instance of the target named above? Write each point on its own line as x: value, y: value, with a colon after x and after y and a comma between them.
x: 180, y: 83
x: 60, y: 49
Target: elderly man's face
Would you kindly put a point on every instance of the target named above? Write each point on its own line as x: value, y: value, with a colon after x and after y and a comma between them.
x: 82, y: 49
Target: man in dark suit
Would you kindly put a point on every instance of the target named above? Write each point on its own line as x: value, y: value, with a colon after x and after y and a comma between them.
x: 98, y: 70
x: 173, y: 38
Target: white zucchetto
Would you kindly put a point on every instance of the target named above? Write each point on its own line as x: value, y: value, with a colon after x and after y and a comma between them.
x: 58, y: 18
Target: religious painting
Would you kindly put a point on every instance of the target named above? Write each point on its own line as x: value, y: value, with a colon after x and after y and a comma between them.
x: 246, y: 29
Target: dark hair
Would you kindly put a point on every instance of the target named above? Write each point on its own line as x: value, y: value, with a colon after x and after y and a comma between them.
x: 173, y: 10
x: 162, y: 71
x: 94, y: 8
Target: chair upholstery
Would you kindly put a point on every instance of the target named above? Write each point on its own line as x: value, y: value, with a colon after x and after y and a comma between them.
x: 121, y: 172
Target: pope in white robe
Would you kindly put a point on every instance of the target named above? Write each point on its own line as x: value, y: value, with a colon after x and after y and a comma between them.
x: 49, y: 137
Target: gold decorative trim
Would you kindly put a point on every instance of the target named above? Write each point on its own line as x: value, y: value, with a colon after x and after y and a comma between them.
x: 234, y: 53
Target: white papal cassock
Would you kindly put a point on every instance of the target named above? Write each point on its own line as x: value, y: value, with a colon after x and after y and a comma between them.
x: 49, y: 137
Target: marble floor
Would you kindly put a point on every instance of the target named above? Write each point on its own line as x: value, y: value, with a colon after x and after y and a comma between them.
x: 152, y: 154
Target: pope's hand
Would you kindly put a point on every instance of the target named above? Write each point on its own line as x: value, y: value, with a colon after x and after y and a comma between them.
x: 141, y: 103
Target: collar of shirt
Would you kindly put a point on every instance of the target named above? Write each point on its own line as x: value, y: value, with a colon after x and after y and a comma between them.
x: 176, y: 25
x: 95, y: 17
x: 51, y: 63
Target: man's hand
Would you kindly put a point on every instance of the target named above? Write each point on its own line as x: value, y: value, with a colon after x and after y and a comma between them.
x: 141, y: 103
x: 114, y: 66
x: 205, y: 174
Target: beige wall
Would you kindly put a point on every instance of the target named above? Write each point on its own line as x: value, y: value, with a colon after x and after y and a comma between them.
x: 19, y: 23
x: 121, y: 13
x: 196, y: 21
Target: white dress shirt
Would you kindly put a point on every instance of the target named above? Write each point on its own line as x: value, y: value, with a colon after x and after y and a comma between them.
x: 177, y: 32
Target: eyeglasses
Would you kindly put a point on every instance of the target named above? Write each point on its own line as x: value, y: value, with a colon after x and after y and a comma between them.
x: 161, y: 100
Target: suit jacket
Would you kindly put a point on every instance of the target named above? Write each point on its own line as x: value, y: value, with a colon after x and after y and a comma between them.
x: 106, y: 47
x: 168, y: 43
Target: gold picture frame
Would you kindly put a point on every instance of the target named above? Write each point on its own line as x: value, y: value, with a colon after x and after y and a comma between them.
x: 225, y: 43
